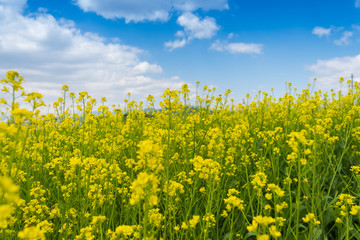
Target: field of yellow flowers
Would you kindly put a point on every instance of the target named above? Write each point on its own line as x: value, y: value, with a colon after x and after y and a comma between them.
x: 267, y: 168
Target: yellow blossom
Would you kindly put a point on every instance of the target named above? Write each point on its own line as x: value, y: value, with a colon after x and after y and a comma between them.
x: 263, y: 237
x: 33, y: 233
x: 195, y: 220
x: 310, y: 218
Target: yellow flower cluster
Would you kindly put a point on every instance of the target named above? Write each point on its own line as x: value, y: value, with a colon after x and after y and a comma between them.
x: 259, y: 182
x: 124, y: 232
x: 150, y: 156
x: 206, y: 168
x: 145, y: 187
x: 9, y: 195
x: 173, y: 188
x: 261, y: 225
x: 311, y: 219
x: 346, y: 205
x: 232, y: 201
x: 90, y: 231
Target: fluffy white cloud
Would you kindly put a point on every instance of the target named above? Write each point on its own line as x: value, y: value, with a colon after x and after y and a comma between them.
x: 130, y: 10
x: 320, y: 31
x: 344, y: 40
x: 145, y: 67
x: 50, y: 53
x: 160, y: 10
x: 178, y: 43
x: 237, y: 48
x: 195, y: 27
x: 141, y: 10
x: 328, y: 72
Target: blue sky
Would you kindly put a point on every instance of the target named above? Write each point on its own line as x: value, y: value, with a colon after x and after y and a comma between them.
x: 111, y: 47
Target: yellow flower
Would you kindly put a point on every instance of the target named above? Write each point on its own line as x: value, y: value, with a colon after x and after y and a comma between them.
x: 310, y: 218
x: 345, y: 199
x: 338, y: 220
x: 235, y: 202
x: 150, y: 156
x: 209, y: 220
x: 184, y: 225
x: 280, y: 207
x: 263, y: 237
x: 354, y: 210
x: 145, y: 186
x: 9, y: 190
x: 3, y: 101
x: 253, y: 227
x: 46, y: 226
x: 307, y: 151
x: 355, y: 169
x: 97, y: 220
x: 206, y: 168
x: 276, y: 189
x: 33, y: 233
x: 280, y: 221
x: 20, y: 114
x: 268, y: 207
x: 224, y: 214
x: 268, y: 196
x: 303, y: 161
x: 5, y: 214
x: 264, y: 220
x: 85, y: 233
x: 275, y: 233
x: 125, y: 230
x: 173, y: 187
x: 155, y: 217
x: 65, y: 88
x: 259, y: 181
x: 194, y: 221
x: 153, y: 200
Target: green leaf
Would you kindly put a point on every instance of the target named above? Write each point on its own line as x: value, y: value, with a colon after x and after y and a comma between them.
x: 250, y: 234
x: 316, y: 233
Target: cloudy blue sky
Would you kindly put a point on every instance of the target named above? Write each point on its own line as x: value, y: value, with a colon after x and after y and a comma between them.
x: 111, y: 47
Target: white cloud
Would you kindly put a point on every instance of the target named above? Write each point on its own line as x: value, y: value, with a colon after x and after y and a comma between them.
x: 16, y: 5
x: 160, y: 10
x: 357, y: 3
x: 145, y: 67
x: 195, y: 27
x: 344, y: 40
x: 171, y: 45
x: 320, y: 31
x: 180, y: 34
x: 49, y: 53
x: 142, y: 10
x: 218, y: 46
x: 237, y: 48
x: 328, y: 72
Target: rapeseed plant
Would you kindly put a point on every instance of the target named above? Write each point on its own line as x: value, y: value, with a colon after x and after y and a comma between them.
x: 203, y: 168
